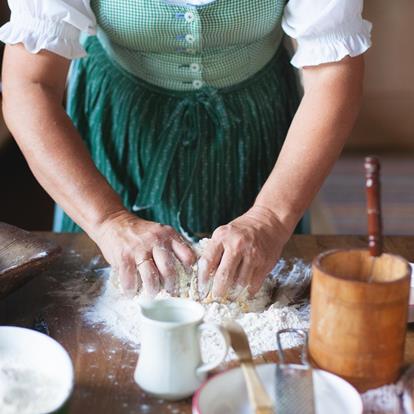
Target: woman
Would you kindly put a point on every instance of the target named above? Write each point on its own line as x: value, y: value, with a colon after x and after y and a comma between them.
x: 177, y: 115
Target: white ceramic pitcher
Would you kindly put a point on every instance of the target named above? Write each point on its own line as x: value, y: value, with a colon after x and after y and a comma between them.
x: 170, y: 364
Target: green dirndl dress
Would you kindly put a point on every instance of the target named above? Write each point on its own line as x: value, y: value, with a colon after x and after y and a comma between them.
x: 184, y: 109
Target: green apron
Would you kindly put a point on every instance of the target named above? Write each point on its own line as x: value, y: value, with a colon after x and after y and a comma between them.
x: 189, y: 150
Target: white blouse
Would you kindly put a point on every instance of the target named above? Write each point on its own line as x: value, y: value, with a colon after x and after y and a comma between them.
x: 325, y: 30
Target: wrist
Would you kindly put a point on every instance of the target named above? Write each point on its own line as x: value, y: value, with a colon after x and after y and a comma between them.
x: 284, y: 222
x: 106, y: 220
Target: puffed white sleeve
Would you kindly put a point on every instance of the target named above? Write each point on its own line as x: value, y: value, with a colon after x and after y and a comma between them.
x: 54, y: 25
x: 326, y: 30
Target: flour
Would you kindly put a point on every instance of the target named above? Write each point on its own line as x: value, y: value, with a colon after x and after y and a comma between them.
x: 272, y: 309
x: 103, y: 306
x: 383, y: 400
x: 26, y: 391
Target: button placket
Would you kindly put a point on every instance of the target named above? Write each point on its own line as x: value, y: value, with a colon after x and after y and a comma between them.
x: 189, y: 38
x: 195, y: 67
x: 189, y: 16
x: 190, y: 42
x: 198, y: 84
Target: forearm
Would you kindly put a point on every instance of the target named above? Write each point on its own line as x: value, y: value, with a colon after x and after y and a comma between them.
x: 316, y: 137
x: 56, y: 154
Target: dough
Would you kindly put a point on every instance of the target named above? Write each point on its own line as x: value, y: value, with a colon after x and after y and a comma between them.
x: 187, y: 286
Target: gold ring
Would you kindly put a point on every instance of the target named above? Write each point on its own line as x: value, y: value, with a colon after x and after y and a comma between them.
x: 142, y: 261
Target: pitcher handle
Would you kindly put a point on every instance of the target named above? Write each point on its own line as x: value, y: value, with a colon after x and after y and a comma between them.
x: 206, y: 367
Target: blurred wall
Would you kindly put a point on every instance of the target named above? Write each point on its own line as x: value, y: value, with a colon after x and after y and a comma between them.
x: 23, y: 202
x: 386, y: 122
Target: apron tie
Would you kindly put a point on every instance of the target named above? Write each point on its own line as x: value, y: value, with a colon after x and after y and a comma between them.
x: 187, y: 112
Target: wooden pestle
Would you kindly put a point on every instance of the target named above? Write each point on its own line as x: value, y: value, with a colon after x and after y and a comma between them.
x: 372, y: 172
x: 372, y: 186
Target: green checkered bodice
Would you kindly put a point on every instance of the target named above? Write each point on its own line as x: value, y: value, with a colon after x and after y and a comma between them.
x: 177, y: 47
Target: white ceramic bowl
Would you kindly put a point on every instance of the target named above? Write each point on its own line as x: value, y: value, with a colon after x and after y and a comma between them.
x: 226, y: 393
x: 41, y: 355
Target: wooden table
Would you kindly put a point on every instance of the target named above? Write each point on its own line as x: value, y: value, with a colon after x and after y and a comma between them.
x: 104, y: 366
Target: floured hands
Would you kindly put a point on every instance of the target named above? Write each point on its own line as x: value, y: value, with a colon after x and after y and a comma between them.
x: 144, y: 252
x: 242, y: 253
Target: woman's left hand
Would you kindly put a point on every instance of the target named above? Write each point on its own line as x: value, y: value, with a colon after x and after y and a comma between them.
x: 242, y: 253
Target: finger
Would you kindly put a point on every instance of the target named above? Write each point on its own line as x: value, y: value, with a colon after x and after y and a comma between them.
x: 128, y: 277
x: 166, y: 263
x: 150, y: 277
x: 225, y: 275
x: 245, y: 271
x: 244, y: 275
x: 257, y: 281
x: 209, y: 261
x: 183, y: 251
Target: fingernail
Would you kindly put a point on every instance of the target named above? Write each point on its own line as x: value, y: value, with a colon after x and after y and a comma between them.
x: 129, y: 288
x: 129, y: 293
x: 216, y: 296
x: 204, y: 284
x: 252, y: 292
x: 204, y: 288
x: 171, y: 286
x: 152, y: 288
x: 201, y: 268
x: 238, y: 291
x: 149, y: 293
x: 217, y: 293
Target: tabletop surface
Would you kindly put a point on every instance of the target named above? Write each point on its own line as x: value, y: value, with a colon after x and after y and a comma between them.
x: 104, y: 366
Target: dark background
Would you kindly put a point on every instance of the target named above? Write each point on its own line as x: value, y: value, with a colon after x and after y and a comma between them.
x: 22, y: 201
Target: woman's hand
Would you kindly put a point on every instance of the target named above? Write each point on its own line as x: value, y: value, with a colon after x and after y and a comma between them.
x: 248, y: 247
x: 242, y: 252
x: 143, y: 251
x: 33, y: 89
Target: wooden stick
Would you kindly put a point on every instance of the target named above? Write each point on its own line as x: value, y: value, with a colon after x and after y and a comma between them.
x: 373, y: 191
x: 260, y: 401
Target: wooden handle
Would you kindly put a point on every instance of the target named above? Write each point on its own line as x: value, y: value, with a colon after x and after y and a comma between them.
x: 372, y: 185
x: 264, y: 410
x: 258, y: 397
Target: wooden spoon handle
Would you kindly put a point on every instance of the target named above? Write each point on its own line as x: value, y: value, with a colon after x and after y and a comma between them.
x: 265, y: 410
x: 258, y: 396
x: 373, y: 191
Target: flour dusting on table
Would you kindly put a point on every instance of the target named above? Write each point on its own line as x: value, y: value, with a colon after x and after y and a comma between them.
x: 272, y: 309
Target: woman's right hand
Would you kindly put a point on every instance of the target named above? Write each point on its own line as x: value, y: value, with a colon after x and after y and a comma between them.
x: 33, y: 90
x: 142, y: 251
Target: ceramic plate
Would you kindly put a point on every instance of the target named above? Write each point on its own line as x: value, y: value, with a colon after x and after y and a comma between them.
x: 227, y: 393
x: 38, y: 354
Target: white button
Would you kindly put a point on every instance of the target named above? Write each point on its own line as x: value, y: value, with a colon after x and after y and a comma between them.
x: 189, y: 38
x: 195, y: 67
x: 191, y: 51
x: 197, y: 84
x: 189, y: 17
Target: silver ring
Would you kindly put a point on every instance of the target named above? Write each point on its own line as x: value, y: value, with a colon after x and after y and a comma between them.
x: 142, y: 261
